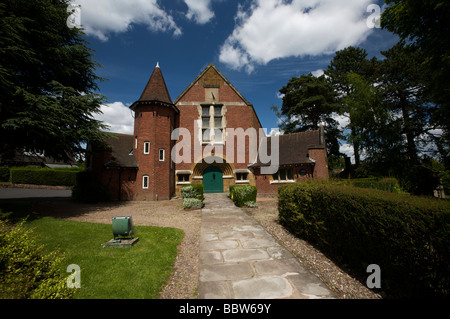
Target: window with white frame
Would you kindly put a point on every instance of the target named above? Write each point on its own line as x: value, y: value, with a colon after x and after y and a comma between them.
x: 161, y: 155
x: 145, y: 181
x: 241, y: 177
x: 183, y: 178
x: 146, y: 148
x: 212, y: 124
x: 283, y: 175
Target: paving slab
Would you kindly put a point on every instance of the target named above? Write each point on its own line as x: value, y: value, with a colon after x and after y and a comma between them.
x: 241, y: 255
x: 239, y: 259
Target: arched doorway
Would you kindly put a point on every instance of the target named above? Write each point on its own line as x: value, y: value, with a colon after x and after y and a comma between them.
x: 213, y: 180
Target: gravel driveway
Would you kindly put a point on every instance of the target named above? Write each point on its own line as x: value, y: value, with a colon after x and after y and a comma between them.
x: 183, y: 283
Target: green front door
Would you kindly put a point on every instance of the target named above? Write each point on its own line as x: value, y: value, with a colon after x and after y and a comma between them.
x: 213, y: 180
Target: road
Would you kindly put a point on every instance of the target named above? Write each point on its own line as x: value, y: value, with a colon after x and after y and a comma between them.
x: 22, y: 193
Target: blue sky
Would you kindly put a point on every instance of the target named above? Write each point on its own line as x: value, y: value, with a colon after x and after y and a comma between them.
x: 257, y: 44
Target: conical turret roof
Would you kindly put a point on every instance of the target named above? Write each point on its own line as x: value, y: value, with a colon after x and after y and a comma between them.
x: 156, y: 89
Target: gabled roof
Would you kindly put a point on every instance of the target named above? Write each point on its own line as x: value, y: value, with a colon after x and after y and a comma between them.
x: 155, y: 90
x: 294, y: 148
x: 211, y: 67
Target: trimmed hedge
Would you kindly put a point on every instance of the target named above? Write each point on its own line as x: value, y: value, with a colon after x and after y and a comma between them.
x: 244, y: 195
x: 193, y: 191
x: 407, y: 236
x: 189, y: 203
x: 4, y: 174
x: 50, y: 177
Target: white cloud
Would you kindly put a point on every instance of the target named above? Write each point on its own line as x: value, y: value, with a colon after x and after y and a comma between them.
x: 280, y: 95
x: 275, y: 132
x: 317, y: 73
x: 347, y: 149
x: 118, y: 117
x: 199, y: 10
x: 100, y: 18
x: 274, y: 29
x: 343, y: 120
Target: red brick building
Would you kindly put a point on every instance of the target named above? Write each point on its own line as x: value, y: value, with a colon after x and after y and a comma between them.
x: 211, y: 135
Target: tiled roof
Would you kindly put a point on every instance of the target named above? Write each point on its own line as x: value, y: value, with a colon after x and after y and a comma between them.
x: 156, y: 89
x: 294, y: 148
x: 121, y: 146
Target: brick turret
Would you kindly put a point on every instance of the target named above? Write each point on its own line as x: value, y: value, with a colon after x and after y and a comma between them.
x: 155, y: 118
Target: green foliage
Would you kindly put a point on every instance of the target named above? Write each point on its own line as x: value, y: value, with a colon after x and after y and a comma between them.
x: 189, y: 203
x: 193, y: 191
x: 243, y: 195
x: 407, y: 236
x: 385, y: 184
x: 307, y: 102
x: 372, y: 125
x: 26, y: 272
x: 430, y: 36
x: 192, y: 196
x: 87, y: 189
x: 49, y: 87
x: 350, y: 60
x: 4, y: 174
x: 41, y: 176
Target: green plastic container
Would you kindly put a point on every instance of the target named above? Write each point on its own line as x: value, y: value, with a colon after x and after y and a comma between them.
x: 122, y: 227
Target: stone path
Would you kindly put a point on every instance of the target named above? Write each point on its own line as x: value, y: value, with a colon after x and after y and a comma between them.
x: 240, y: 260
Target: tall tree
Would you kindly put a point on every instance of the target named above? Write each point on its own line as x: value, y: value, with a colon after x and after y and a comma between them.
x: 349, y: 60
x: 404, y: 79
x: 425, y: 25
x: 309, y: 101
x: 47, y: 75
x: 380, y: 135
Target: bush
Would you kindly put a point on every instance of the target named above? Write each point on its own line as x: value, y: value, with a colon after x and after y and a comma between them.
x: 42, y: 176
x: 406, y: 236
x: 189, y: 203
x: 192, y: 196
x: 25, y: 271
x: 4, y: 174
x: 193, y: 191
x: 243, y: 195
x: 251, y: 204
x: 88, y: 190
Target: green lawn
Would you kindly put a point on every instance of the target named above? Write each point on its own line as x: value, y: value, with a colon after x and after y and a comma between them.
x: 113, y: 273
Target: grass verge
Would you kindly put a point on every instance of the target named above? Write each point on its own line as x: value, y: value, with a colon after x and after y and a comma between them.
x: 138, y: 272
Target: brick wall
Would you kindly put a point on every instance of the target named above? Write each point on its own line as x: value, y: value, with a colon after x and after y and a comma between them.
x: 321, y: 167
x: 237, y: 114
x: 154, y: 124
